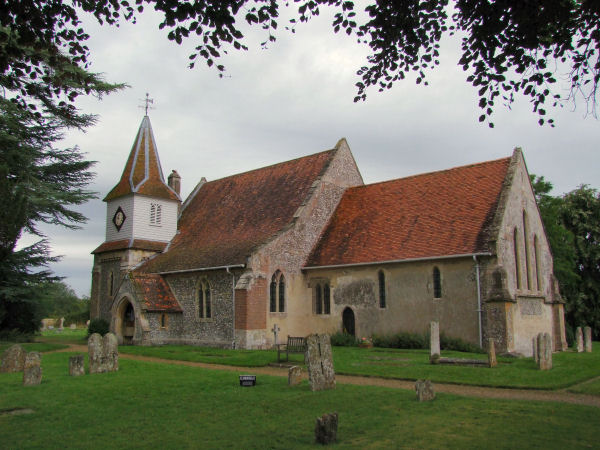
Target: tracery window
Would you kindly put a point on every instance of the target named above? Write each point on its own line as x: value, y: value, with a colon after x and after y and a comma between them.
x: 382, y: 302
x: 155, y: 213
x: 277, y: 293
x: 204, y: 300
x: 437, y: 283
x: 517, y: 257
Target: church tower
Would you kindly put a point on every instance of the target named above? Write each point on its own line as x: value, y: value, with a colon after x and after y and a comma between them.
x: 141, y: 219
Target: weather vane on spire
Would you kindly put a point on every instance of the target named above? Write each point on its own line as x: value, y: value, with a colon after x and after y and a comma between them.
x: 147, y: 102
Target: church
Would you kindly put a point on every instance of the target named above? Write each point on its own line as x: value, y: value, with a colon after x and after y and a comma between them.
x: 304, y: 246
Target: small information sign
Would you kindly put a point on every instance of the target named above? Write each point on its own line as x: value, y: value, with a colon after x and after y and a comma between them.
x: 247, y: 380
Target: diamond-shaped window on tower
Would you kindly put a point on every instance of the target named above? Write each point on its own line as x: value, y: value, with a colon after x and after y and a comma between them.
x: 119, y: 218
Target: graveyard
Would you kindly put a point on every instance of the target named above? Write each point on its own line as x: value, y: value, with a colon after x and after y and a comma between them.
x: 140, y: 403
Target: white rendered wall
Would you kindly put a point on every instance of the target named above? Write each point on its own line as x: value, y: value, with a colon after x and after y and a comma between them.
x: 126, y: 232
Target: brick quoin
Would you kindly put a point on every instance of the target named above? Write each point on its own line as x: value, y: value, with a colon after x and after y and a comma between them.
x: 240, y: 309
x: 251, y: 307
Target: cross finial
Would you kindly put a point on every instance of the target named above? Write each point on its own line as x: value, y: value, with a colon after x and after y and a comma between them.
x: 147, y: 102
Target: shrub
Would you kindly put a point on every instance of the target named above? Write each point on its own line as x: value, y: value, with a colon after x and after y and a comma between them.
x: 100, y: 326
x: 457, y: 344
x: 343, y: 340
x: 15, y: 335
x: 421, y: 341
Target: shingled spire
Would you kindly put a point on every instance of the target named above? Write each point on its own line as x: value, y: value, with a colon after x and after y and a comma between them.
x: 143, y: 174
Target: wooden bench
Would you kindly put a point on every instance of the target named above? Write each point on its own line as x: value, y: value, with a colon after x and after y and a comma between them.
x: 294, y: 345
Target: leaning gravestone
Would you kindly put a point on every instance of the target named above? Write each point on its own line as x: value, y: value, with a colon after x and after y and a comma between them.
x: 579, y: 336
x: 32, y: 371
x: 434, y: 340
x: 492, y: 361
x: 326, y: 429
x: 544, y: 351
x: 76, y: 367
x: 319, y: 362
x: 587, y: 337
x: 13, y: 359
x: 424, y: 390
x: 294, y: 375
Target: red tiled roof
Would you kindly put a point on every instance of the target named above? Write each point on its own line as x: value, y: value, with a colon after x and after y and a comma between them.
x: 138, y: 244
x: 143, y: 173
x: 155, y: 293
x: 228, y: 218
x: 436, y: 214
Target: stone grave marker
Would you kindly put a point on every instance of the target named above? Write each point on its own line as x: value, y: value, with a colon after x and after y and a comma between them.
x: 103, y: 353
x: 536, y: 356
x: 579, y: 337
x: 544, y: 351
x: 73, y: 326
x: 326, y: 428
x: 32, y: 371
x: 492, y: 361
x: 61, y: 323
x: 275, y: 331
x: 319, y: 362
x: 424, y: 390
x: 13, y: 359
x: 95, y: 353
x: 587, y: 339
x: 434, y: 340
x: 294, y: 375
x: 76, y: 367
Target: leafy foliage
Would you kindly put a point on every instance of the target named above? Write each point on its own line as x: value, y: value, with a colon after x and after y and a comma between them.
x: 343, y: 340
x: 406, y: 340
x: 98, y: 325
x: 509, y: 47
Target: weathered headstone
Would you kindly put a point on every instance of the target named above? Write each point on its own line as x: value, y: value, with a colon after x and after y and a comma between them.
x: 544, y: 351
x: 275, y: 331
x: 587, y: 339
x: 32, y: 371
x: 87, y: 323
x: 61, y: 323
x: 95, y: 353
x: 579, y: 337
x: 319, y: 362
x: 294, y: 375
x: 13, y: 359
x: 73, y: 326
x: 492, y: 361
x: 326, y: 428
x: 434, y: 339
x: 76, y: 367
x: 111, y: 352
x: 424, y: 390
x: 536, y: 355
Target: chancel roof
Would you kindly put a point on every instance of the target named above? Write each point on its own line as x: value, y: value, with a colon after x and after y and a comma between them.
x: 424, y: 216
x: 143, y: 173
x: 155, y: 292
x: 226, y: 219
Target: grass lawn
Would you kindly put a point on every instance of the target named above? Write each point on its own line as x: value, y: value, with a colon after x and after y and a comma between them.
x: 591, y: 388
x: 66, y: 336
x: 34, y: 346
x: 162, y: 406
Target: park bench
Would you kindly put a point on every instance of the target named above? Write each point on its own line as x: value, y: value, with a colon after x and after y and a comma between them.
x: 293, y: 345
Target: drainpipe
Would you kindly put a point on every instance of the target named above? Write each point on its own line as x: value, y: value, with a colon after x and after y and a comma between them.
x: 479, y: 310
x: 233, y: 305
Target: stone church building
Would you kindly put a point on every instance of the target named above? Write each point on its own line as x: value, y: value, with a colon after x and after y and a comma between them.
x: 306, y: 246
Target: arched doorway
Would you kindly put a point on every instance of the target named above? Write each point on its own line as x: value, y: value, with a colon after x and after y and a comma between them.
x: 128, y: 323
x: 348, y: 321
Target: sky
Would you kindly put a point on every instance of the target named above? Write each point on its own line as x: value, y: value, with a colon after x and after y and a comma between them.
x: 294, y: 99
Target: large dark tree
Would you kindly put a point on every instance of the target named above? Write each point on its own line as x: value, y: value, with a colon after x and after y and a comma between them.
x: 509, y: 47
x: 39, y: 182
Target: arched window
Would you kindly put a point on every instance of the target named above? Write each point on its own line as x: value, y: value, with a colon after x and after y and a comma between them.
x: 526, y: 248
x: 536, y: 254
x: 437, y: 283
x: 204, y: 300
x: 155, y: 213
x: 326, y: 299
x: 318, y: 299
x: 277, y: 293
x: 517, y: 257
x: 381, y: 289
x: 163, y: 320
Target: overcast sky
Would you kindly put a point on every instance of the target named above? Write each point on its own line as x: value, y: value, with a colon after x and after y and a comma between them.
x: 291, y: 100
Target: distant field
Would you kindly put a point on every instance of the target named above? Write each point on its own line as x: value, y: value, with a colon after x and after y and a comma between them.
x: 154, y: 405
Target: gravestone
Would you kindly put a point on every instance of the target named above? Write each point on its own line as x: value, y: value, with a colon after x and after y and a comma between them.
x: 275, y: 331
x: 319, y: 362
x: 61, y: 323
x: 579, y: 337
x: 32, y: 371
x: 587, y: 338
x: 544, y: 351
x: 424, y: 390
x: 110, y: 352
x: 76, y: 367
x: 294, y: 375
x: 492, y: 361
x: 13, y: 359
x: 326, y: 428
x: 73, y: 326
x: 95, y: 353
x: 434, y: 340
x: 536, y: 356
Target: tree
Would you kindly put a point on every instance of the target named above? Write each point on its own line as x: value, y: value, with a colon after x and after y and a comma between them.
x: 509, y: 47
x: 39, y: 183
x: 581, y: 216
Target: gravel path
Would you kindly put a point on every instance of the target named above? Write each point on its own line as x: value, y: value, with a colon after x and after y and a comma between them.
x: 469, y: 391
